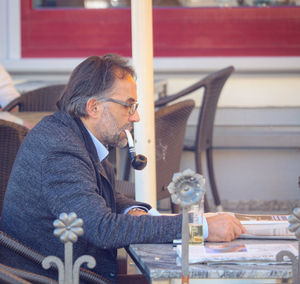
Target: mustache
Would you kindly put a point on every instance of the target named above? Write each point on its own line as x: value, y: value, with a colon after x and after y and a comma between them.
x: 128, y: 126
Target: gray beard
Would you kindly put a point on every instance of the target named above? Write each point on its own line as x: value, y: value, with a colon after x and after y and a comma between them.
x: 111, y: 135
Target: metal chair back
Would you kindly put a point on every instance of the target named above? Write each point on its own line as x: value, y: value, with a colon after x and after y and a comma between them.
x: 213, y: 85
x: 170, y: 126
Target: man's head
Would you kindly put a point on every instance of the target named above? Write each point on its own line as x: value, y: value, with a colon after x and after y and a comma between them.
x: 102, y: 92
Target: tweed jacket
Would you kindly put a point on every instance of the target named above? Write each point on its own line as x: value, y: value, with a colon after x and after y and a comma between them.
x: 54, y: 173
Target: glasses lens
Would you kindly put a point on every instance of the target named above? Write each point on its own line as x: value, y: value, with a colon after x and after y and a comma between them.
x: 133, y: 108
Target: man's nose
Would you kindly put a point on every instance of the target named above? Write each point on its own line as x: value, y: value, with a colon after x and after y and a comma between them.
x: 135, y: 117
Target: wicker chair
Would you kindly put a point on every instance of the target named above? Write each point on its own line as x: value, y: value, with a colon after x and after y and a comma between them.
x: 213, y: 85
x: 11, y: 137
x: 37, y: 259
x: 10, y: 278
x: 12, y: 275
x: 41, y: 99
x: 170, y: 126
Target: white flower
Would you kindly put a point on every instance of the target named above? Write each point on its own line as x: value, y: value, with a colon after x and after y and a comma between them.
x: 294, y: 221
x: 68, y: 227
x: 186, y: 188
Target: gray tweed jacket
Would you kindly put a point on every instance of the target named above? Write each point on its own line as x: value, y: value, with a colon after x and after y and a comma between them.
x: 54, y: 173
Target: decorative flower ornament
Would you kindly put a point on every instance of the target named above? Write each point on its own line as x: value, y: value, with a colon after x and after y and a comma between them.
x: 294, y: 227
x: 294, y: 221
x: 68, y: 227
x: 186, y: 188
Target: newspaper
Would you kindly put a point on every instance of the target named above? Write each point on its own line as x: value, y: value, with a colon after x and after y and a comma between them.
x: 261, y: 226
x: 231, y: 251
x: 265, y: 226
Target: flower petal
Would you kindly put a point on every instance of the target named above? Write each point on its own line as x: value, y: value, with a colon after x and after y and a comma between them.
x: 64, y: 237
x: 64, y: 218
x: 77, y: 223
x: 58, y: 232
x: 72, y: 237
x: 59, y: 224
x: 72, y: 217
x: 77, y: 230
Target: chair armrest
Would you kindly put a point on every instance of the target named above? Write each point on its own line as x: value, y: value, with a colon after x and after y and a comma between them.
x: 12, y: 104
x: 168, y: 99
x: 8, y: 277
x: 25, y: 276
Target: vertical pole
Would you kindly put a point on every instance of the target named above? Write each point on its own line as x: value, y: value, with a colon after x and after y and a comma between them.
x: 297, y: 264
x: 14, y: 26
x: 142, y: 56
x: 68, y: 262
x: 185, y: 247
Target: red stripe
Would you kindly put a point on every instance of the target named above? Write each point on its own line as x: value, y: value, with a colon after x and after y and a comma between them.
x: 237, y: 31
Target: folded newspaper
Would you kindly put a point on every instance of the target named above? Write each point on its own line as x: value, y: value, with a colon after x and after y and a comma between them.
x: 261, y: 226
x: 231, y: 251
x: 265, y: 226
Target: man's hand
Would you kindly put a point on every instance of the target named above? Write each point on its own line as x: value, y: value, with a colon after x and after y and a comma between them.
x: 223, y: 227
x: 137, y: 212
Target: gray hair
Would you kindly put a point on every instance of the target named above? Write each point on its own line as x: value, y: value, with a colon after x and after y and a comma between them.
x: 93, y: 78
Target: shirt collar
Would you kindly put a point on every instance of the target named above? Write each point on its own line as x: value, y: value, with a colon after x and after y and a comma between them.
x: 101, y: 150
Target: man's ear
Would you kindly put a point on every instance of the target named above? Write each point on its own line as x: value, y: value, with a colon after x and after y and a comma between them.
x: 93, y: 107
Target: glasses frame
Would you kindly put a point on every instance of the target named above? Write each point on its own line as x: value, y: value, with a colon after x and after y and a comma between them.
x: 132, y: 106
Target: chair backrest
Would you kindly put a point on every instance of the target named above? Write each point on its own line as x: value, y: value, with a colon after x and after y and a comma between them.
x: 170, y: 126
x: 213, y: 85
x: 11, y: 137
x: 41, y: 99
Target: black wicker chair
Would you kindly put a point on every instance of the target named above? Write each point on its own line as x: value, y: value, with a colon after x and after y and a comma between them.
x: 11, y: 137
x: 7, y: 277
x: 37, y: 259
x: 170, y: 126
x: 41, y: 99
x: 12, y: 275
x: 213, y: 85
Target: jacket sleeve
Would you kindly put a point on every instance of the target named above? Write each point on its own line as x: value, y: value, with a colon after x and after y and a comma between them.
x: 69, y: 185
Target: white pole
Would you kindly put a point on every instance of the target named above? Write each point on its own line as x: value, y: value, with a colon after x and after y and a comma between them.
x: 142, y: 57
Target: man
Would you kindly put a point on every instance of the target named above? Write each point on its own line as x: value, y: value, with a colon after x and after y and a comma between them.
x: 61, y: 167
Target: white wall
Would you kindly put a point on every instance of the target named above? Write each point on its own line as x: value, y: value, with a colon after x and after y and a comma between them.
x: 251, y: 90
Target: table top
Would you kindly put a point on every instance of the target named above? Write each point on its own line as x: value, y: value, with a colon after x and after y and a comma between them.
x: 28, y: 119
x: 159, y: 261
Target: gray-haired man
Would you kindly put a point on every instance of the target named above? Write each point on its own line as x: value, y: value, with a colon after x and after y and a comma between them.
x: 61, y: 167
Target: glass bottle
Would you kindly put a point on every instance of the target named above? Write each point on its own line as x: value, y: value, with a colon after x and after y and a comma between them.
x: 196, y: 224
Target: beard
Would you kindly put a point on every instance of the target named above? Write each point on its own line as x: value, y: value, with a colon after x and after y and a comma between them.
x: 110, y: 133
x: 116, y: 137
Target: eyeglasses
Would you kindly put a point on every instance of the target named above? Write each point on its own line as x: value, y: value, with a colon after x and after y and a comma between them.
x: 132, y: 106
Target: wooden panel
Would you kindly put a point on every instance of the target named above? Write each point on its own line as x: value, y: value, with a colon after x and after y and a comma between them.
x: 237, y: 31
